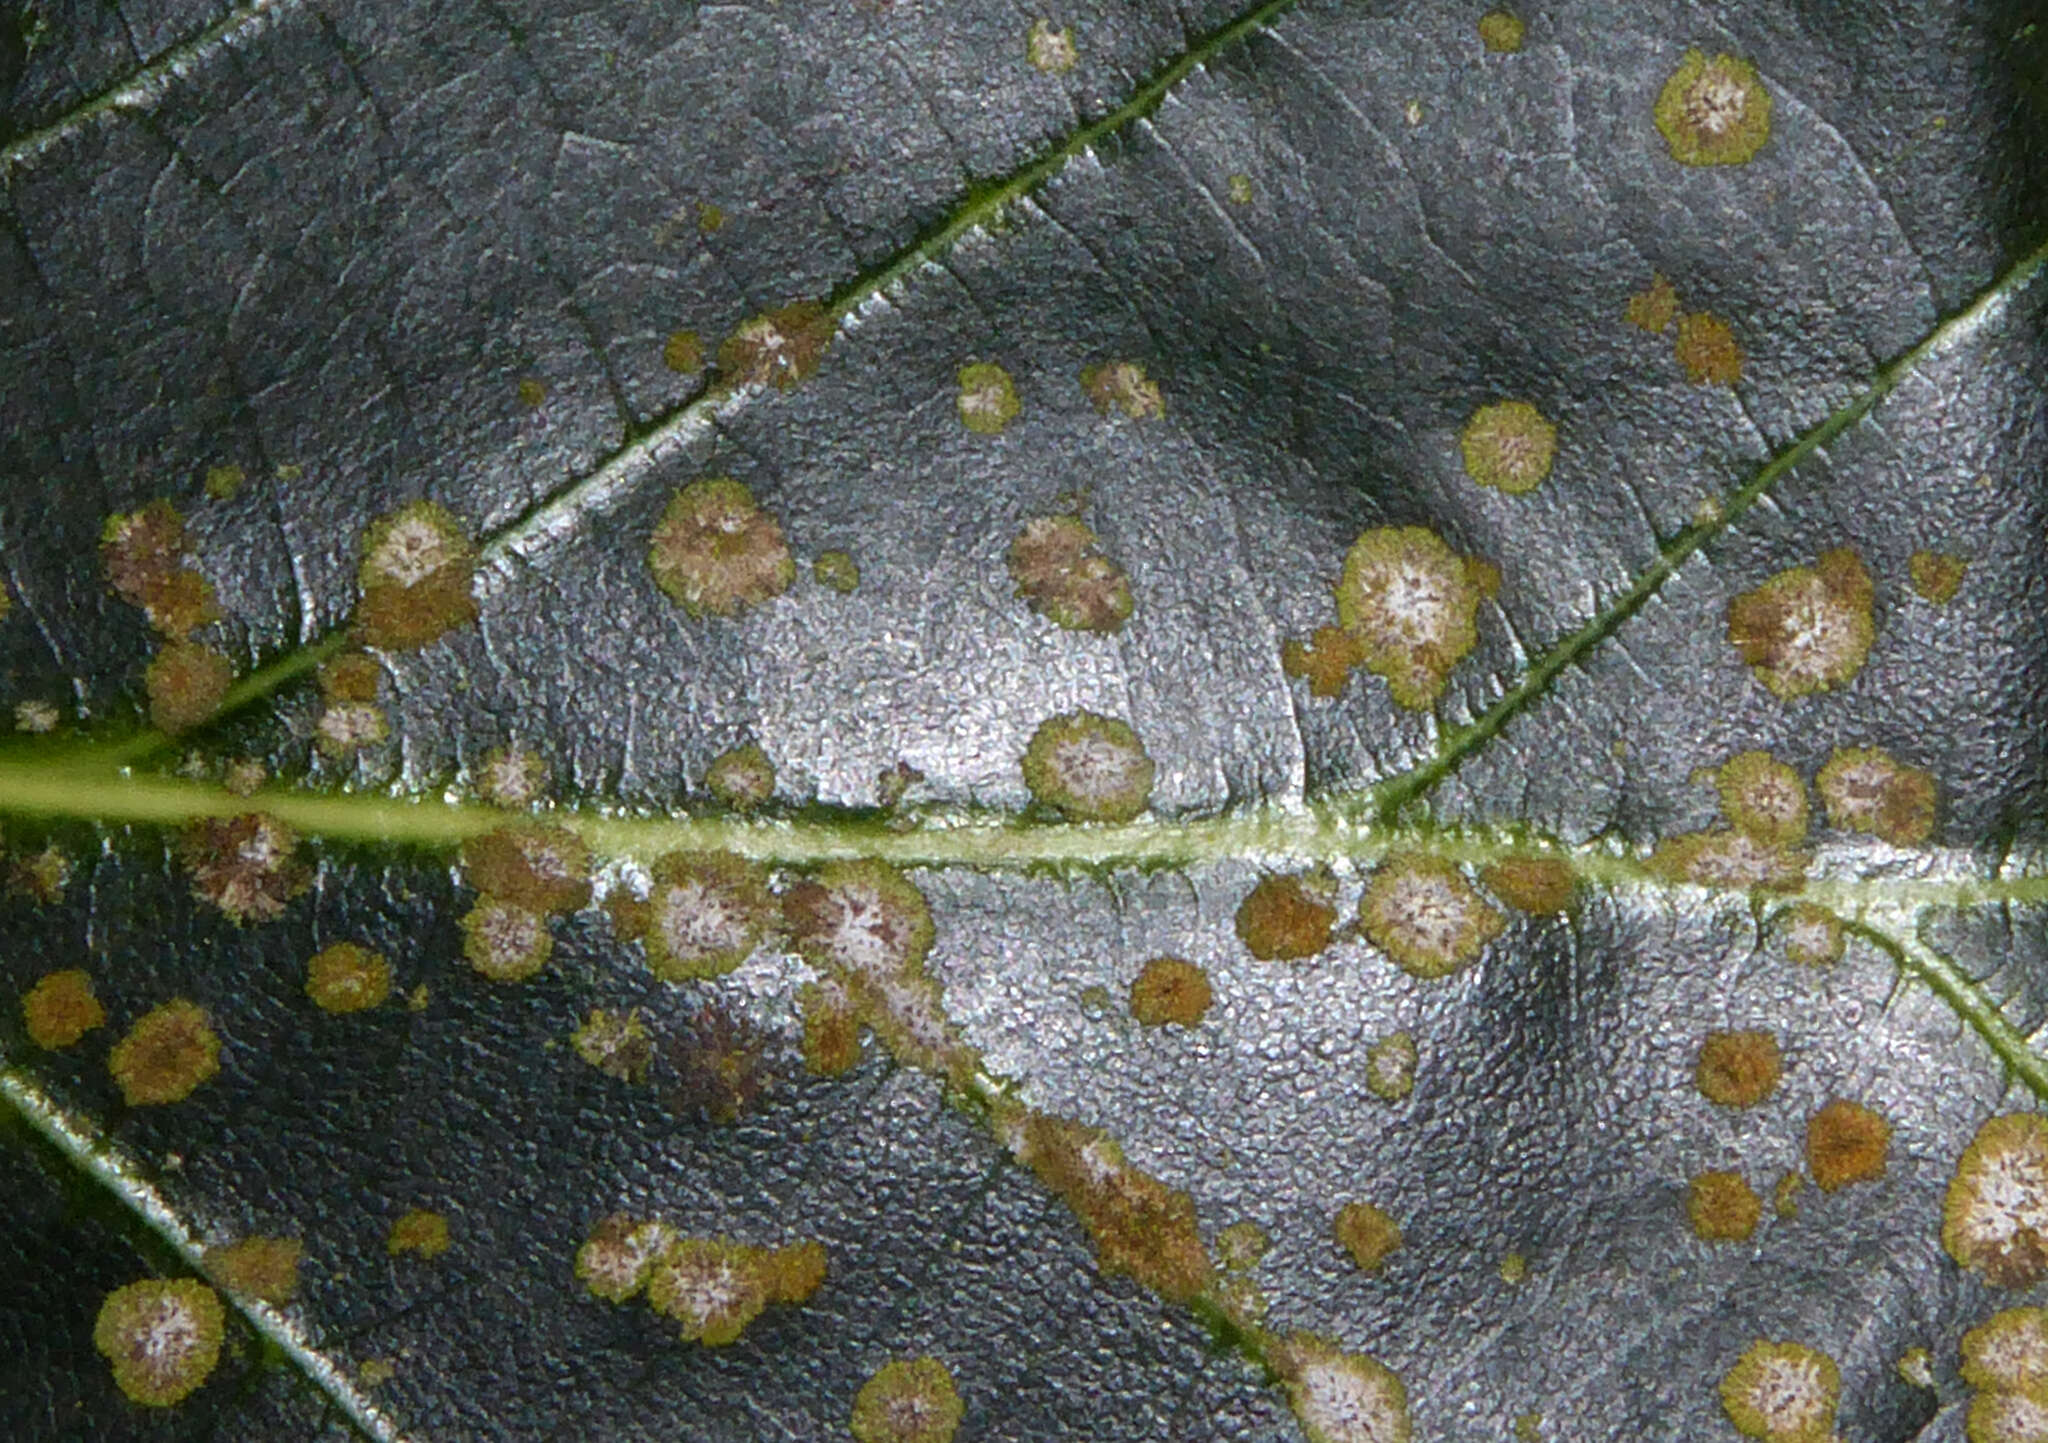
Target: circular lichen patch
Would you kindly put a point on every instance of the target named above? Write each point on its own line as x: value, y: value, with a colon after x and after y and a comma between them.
x: 421, y: 1232
x: 1369, y: 1235
x: 1722, y: 1207
x: 1413, y: 604
x: 988, y: 398
x: 347, y: 978
x: 1510, y: 446
x: 1783, y: 1392
x: 169, y: 1051
x: 1171, y: 990
x: 1421, y: 912
x: 1808, y: 628
x: 1737, y: 1069
x: 1090, y: 767
x: 908, y: 1400
x: 1501, y: 31
x: 61, y: 1008
x: 716, y: 553
x: 162, y: 1337
x: 1714, y: 112
x: 1846, y: 1143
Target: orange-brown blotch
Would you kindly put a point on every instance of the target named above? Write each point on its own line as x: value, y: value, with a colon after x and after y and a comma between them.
x: 1722, y: 1206
x: 1846, y: 1143
x: 1171, y: 990
x: 1738, y: 1069
x: 61, y: 1008
x: 1287, y: 918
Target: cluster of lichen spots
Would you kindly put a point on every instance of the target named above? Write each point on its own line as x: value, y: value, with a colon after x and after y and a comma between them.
x: 350, y: 718
x: 683, y: 353
x: 1123, y: 386
x: 1060, y: 570
x: 61, y: 1008
x: 1326, y: 660
x: 1340, y: 1397
x: 1654, y: 308
x: 1288, y: 917
x: 263, y: 1268
x: 781, y: 348
x: 908, y: 1400
x: 1707, y: 350
x: 1936, y: 575
x: 1782, y: 1392
x: 742, y: 777
x: 705, y: 914
x: 1390, y: 1067
x: 1995, y: 1218
x: 1812, y: 935
x: 987, y: 401
x: 1140, y: 1227
x: 616, y: 1258
x: 1171, y: 990
x: 421, y: 1232
x: 513, y: 777
x: 715, y: 1286
x: 1714, y: 112
x: 1866, y: 789
x: 246, y: 865
x: 543, y: 869
x: 161, y: 1336
x: 1738, y: 1069
x: 144, y: 555
x: 186, y: 684
x: 1846, y: 1143
x: 347, y: 977
x: 1367, y: 1233
x: 837, y: 570
x: 1050, y: 49
x: 417, y: 578
x: 1722, y: 1207
x: 1089, y: 767
x: 1421, y: 912
x: 1808, y: 628
x: 1540, y: 886
x: 617, y: 1044
x: 717, y: 1064
x: 715, y: 552
x: 1510, y: 446
x: 2006, y: 1359
x: 1413, y: 604
x: 1501, y: 31
x: 166, y: 1055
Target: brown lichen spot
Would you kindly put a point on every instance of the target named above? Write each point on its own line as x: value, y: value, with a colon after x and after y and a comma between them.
x: 1654, y: 309
x: 1062, y: 573
x: 715, y: 552
x: 1846, y: 1143
x: 181, y: 603
x: 1139, y: 1226
x: 1995, y: 1217
x: 532, y: 392
x: 421, y: 1231
x: 1785, y: 1195
x: 1738, y: 1069
x: 1714, y: 112
x: 347, y: 978
x: 1390, y: 1067
x: 742, y: 778
x: 1090, y: 767
x: 714, y: 1287
x: 512, y: 776
x: 615, y: 1260
x: 1514, y: 1269
x: 1812, y: 935
x: 2008, y: 1417
x: 223, y: 482
x: 1936, y: 576
x: 1240, y: 1246
x: 1340, y: 1397
x: 1865, y: 789
x: 263, y: 1268
x: 988, y: 398
x: 837, y: 570
x: 1540, y: 886
x: 1728, y: 859
x: 144, y: 555
x: 1783, y: 1392
x: 718, y: 1067
x: 1707, y: 350
x: 908, y: 1400
x: 245, y: 865
x: 1413, y: 604
x: 1049, y: 50
x: 345, y: 728
x: 1808, y: 628
x: 162, y: 1337
x: 861, y: 922
x: 1509, y: 445
x: 779, y: 349
x: 41, y: 877
x: 417, y: 575
x: 615, y: 1043
x: 1501, y: 31
x: 683, y: 353
x: 1368, y: 1234
x: 1326, y: 660
x: 2008, y: 1351
x: 1171, y: 990
x: 1238, y: 186
x: 542, y: 869
x: 795, y: 1272
x: 1763, y: 797
x: 352, y: 676
x: 61, y: 1008
x: 831, y: 1040
x: 1421, y: 912
x: 1287, y: 918
x: 706, y: 912
x: 506, y: 943
x: 1722, y: 1206
x: 186, y: 684
x: 1123, y: 386
x: 245, y: 776
x: 169, y: 1051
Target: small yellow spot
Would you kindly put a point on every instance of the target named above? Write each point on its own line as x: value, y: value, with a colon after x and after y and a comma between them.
x: 1238, y: 186
x: 1390, y: 1067
x: 683, y: 353
x: 532, y: 392
x: 166, y: 1055
x: 1915, y: 1367
x: 420, y: 1231
x: 1367, y: 1233
x: 1785, y: 1196
x: 1123, y: 386
x: 836, y: 569
x: 1326, y: 660
x: 375, y: 1372
x: 710, y: 218
x: 1540, y: 886
x: 1501, y: 31
x: 1654, y: 309
x: 1714, y: 112
x: 1707, y: 350
x: 908, y: 1400
x: 1413, y: 111
x: 61, y: 1008
x: 222, y: 482
x: 1049, y: 50
x: 1514, y: 1270
x: 347, y: 978
x: 615, y: 1043
x: 742, y: 777
x: 1509, y: 445
x: 263, y: 1268
x: 1936, y: 575
x: 988, y: 398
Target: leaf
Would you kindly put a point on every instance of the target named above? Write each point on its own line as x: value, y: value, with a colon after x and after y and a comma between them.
x: 1234, y: 284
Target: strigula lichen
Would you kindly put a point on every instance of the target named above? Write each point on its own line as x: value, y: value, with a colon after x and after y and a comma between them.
x: 683, y: 353
x: 504, y: 942
x: 1783, y: 1392
x: 1937, y: 576
x: 715, y: 552
x: 169, y: 1051
x: 347, y: 978
x: 1738, y: 1069
x: 1763, y: 797
x: 1865, y: 789
x: 615, y: 1043
x: 1653, y: 309
x: 1812, y: 935
x: 512, y: 777
x: 417, y: 577
x: 988, y: 398
x: 907, y: 1400
x: 1995, y: 1218
x: 263, y: 1268
x: 2008, y: 1351
x: 742, y: 778
x: 421, y: 1232
x: 1091, y: 768
x: 1326, y: 660
x: 1540, y: 886
x: 1807, y: 629
x: 1050, y: 50
x: 144, y: 555
x: 1059, y: 567
x: 1501, y: 31
x: 1421, y: 912
x: 1367, y: 1234
x: 713, y: 1286
x: 245, y: 865
x: 1340, y: 1397
x: 1287, y: 918
x: 1707, y: 351
x: 1846, y: 1143
x: 61, y: 1008
x: 162, y: 1337
x: 837, y: 570
x: 538, y: 868
x: 1390, y: 1067
x: 1722, y: 1207
x: 1123, y: 386
x: 705, y: 914
x: 1413, y: 604
x: 1714, y: 112
x: 615, y: 1260
x: 186, y: 683
x: 781, y: 348
x: 1510, y: 446
x: 1170, y: 990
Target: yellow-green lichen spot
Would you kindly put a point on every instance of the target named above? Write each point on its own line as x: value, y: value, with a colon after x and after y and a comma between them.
x: 1714, y: 112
